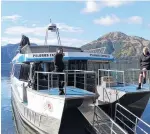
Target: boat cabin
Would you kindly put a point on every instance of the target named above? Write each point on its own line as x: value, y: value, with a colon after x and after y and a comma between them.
x: 40, y: 58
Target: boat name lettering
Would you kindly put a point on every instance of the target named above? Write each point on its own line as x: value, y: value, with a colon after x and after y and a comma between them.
x: 43, y: 55
x: 97, y: 55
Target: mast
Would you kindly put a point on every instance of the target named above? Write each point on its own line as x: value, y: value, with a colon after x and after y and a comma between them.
x: 53, y: 28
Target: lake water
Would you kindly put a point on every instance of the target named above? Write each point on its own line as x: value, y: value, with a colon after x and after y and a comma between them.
x: 7, y: 119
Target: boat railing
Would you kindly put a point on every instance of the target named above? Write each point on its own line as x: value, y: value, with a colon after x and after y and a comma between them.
x: 111, y: 77
x: 104, y: 124
x: 139, y: 126
x: 129, y: 76
x: 132, y: 76
x: 85, y: 80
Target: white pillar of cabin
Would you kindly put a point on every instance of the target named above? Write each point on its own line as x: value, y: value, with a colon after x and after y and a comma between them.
x: 31, y: 70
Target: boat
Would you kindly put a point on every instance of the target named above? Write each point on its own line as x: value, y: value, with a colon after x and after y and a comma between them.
x: 36, y: 97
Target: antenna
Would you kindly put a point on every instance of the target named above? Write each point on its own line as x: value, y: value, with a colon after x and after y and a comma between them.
x: 52, y: 28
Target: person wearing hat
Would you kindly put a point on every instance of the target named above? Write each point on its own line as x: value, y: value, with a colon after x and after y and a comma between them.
x: 144, y: 65
x: 59, y: 67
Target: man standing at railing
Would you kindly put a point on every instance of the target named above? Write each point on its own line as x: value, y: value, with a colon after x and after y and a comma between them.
x: 145, y: 65
x: 59, y: 67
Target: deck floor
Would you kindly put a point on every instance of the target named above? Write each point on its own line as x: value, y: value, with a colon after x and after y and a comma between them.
x: 70, y: 92
x: 130, y: 87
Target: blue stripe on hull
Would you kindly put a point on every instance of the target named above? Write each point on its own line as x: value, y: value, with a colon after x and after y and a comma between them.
x: 23, y: 59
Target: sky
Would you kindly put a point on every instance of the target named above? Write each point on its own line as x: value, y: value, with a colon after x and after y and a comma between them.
x: 79, y: 22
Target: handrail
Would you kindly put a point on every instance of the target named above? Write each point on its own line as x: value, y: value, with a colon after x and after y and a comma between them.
x: 110, y: 70
x: 133, y: 114
x: 117, y: 71
x: 81, y: 71
x: 52, y: 73
x: 133, y: 74
x: 49, y: 72
x: 134, y: 123
x: 104, y: 89
x: 108, y: 119
x: 76, y: 80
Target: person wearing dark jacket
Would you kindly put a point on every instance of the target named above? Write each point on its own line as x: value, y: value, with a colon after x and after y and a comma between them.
x: 24, y: 41
x: 144, y: 65
x: 59, y: 67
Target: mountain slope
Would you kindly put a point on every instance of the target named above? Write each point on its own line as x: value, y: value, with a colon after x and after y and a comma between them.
x: 119, y: 44
x: 8, y: 52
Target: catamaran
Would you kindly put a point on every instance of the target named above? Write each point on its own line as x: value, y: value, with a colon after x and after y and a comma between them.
x: 80, y: 110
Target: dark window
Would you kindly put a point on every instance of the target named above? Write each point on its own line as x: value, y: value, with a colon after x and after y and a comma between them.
x: 77, y: 65
x: 24, y: 72
x: 17, y: 70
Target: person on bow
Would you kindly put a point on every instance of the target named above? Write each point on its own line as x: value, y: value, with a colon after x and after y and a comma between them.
x: 144, y: 66
x: 59, y: 67
x: 24, y: 41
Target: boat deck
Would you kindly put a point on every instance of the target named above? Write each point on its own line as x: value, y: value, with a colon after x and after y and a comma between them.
x: 70, y: 92
x: 130, y: 87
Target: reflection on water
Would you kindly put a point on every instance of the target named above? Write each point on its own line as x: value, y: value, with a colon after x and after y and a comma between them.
x: 10, y: 124
x: 6, y: 110
x: 11, y: 121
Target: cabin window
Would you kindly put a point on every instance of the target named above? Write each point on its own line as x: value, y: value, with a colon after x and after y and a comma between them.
x: 106, y: 66
x: 92, y: 65
x: 24, y: 72
x: 77, y: 65
x: 17, y: 70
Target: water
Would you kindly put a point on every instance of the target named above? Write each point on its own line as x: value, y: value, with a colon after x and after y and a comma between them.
x: 7, y: 119
x: 6, y: 110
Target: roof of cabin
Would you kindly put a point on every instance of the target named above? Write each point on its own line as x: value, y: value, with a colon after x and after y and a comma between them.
x: 47, y: 48
x: 46, y: 53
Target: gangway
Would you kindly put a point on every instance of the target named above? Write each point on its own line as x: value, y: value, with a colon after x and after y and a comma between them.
x: 104, y: 124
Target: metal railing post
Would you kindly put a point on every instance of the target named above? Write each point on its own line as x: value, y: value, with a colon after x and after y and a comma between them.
x: 37, y: 81
x: 123, y: 79
x: 135, y: 125
x: 85, y: 81
x: 74, y: 78
x: 133, y: 76
x: 115, y: 112
x: 111, y: 128
x: 148, y: 77
x: 109, y: 79
x: 98, y: 77
x: 95, y: 82
x: 103, y: 93
x: 51, y: 81
x: 48, y: 81
x: 116, y: 75
x: 65, y: 78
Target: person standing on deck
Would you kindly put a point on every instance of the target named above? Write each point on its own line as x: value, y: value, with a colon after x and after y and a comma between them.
x: 24, y: 41
x: 144, y: 65
x: 59, y: 67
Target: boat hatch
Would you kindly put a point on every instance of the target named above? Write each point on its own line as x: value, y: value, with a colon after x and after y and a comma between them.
x: 77, y: 83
